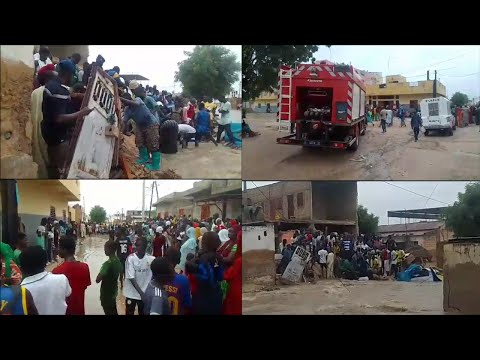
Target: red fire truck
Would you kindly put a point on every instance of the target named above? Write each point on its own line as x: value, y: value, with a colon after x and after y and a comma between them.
x: 325, y: 104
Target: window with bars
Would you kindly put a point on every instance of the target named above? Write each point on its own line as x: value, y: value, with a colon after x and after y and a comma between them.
x: 52, y: 212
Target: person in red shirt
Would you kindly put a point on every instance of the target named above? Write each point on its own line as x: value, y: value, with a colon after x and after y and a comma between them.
x: 159, y: 243
x: 233, y: 275
x: 77, y: 273
x: 191, y: 109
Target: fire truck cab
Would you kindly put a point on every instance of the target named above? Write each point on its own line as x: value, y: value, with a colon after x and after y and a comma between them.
x: 325, y: 103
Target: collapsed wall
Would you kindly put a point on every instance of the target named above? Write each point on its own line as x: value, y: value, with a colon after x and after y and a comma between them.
x: 17, y: 68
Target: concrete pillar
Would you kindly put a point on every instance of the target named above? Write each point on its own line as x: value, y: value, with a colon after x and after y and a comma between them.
x: 15, y: 123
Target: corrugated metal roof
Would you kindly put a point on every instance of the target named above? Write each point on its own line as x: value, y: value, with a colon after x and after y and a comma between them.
x: 412, y: 227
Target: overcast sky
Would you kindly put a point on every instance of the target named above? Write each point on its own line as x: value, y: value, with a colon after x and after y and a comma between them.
x: 113, y: 195
x: 379, y: 196
x: 458, y: 66
x: 156, y: 62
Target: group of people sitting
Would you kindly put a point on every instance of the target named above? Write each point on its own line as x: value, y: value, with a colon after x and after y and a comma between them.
x: 345, y: 256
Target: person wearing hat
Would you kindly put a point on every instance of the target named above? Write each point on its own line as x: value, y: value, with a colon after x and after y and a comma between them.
x: 147, y: 137
x: 59, y: 117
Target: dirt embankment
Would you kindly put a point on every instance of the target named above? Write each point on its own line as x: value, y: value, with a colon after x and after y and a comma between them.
x: 15, y: 124
x: 259, y: 265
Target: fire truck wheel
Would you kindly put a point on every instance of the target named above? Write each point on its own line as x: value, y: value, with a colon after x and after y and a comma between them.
x: 364, y: 129
x: 450, y: 132
x: 354, y: 146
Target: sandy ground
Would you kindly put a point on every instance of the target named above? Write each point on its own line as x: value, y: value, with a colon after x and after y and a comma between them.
x: 391, y: 156
x: 205, y: 162
x: 344, y: 297
x: 91, y: 251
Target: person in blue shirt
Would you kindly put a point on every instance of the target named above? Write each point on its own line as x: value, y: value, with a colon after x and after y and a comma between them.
x: 178, y: 289
x: 202, y: 125
x: 147, y: 136
x: 115, y: 74
x: 416, y: 123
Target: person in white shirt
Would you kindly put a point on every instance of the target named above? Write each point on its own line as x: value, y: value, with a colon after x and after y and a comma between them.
x: 137, y: 277
x: 185, y: 134
x: 42, y: 58
x: 393, y: 262
x: 322, y: 260
x: 225, y: 123
x: 330, y: 264
x: 49, y: 291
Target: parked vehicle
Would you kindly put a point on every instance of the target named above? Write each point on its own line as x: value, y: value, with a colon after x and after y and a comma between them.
x: 436, y: 115
x: 325, y: 103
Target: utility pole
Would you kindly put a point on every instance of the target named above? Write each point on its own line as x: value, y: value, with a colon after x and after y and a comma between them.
x: 435, y: 85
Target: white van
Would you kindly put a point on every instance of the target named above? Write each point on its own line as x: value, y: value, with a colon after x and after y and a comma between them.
x: 436, y: 115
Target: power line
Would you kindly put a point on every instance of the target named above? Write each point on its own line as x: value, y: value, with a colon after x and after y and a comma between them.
x: 460, y: 76
x: 435, y: 188
x: 441, y: 62
x: 413, y: 192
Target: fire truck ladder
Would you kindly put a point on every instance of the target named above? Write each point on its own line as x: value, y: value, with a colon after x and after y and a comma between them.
x: 285, y: 82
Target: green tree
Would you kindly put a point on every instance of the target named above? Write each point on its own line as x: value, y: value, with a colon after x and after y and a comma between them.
x: 210, y: 70
x: 260, y: 64
x: 459, y: 99
x: 98, y: 214
x: 464, y: 216
x: 367, y: 223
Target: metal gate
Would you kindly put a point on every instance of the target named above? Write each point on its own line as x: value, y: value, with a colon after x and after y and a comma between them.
x: 94, y: 145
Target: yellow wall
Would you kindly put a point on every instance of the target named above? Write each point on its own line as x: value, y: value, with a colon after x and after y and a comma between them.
x: 73, y: 186
x: 36, y: 197
x: 424, y: 88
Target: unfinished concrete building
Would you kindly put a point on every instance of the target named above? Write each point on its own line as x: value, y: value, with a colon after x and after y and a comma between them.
x: 329, y: 205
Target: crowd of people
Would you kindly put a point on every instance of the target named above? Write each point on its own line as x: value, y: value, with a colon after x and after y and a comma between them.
x: 172, y: 266
x: 161, y: 120
x: 345, y: 255
x: 386, y: 116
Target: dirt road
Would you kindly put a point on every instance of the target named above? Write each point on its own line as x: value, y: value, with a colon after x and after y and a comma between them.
x: 391, y: 156
x: 335, y: 297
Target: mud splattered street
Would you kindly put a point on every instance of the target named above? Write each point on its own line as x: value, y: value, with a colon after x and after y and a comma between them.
x: 192, y: 163
x: 391, y: 156
x: 345, y: 297
x: 90, y: 250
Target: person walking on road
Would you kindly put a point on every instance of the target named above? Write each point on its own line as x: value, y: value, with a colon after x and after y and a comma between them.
x: 416, y: 124
x: 108, y: 276
x: 401, y: 115
x: 322, y: 260
x: 383, y: 120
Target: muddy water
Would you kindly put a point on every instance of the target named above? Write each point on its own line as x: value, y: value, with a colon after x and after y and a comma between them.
x: 380, y: 156
x: 335, y: 297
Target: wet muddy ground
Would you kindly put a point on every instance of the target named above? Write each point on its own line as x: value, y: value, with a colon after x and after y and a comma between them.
x: 90, y: 250
x: 206, y: 161
x: 344, y: 297
x: 390, y: 156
